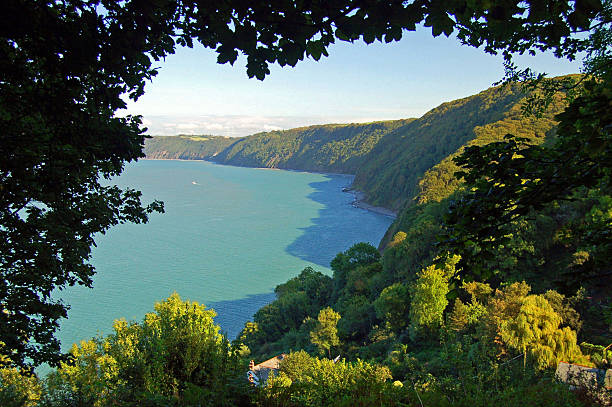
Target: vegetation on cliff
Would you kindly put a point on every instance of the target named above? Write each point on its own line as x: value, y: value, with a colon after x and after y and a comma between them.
x: 185, y: 147
x: 394, y: 162
x: 340, y: 148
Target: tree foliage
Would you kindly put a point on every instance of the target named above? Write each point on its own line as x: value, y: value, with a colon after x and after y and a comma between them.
x: 536, y: 330
x: 428, y: 295
x: 325, y: 333
x: 175, y: 354
x: 514, y: 180
x: 66, y: 67
x: 18, y: 387
x: 287, y: 321
x: 392, y: 306
x: 305, y: 380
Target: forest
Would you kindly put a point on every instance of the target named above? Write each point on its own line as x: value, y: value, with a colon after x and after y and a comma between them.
x: 495, y: 271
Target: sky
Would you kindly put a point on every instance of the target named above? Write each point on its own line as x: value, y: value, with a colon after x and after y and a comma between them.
x: 192, y: 94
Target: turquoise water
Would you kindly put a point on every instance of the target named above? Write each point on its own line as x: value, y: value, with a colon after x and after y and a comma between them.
x: 228, y: 237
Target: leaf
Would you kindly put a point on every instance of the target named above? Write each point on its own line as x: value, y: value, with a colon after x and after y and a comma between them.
x: 226, y: 55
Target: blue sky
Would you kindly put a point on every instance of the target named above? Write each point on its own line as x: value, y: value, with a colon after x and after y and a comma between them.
x: 192, y: 94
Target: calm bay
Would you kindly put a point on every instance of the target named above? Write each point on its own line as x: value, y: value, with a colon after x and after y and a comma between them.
x: 228, y: 237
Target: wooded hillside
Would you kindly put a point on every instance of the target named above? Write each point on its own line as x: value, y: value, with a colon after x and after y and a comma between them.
x: 394, y: 162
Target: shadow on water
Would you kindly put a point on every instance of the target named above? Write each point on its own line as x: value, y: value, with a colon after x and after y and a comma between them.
x: 337, y: 227
x: 339, y: 224
x: 232, y: 314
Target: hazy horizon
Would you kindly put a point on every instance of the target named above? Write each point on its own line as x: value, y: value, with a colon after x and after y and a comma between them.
x: 192, y: 94
x: 240, y: 125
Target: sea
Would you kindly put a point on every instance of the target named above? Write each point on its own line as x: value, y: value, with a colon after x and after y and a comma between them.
x: 228, y: 237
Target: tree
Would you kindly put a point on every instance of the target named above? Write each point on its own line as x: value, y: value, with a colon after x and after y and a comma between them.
x: 19, y: 388
x: 63, y: 71
x: 463, y: 315
x: 503, y: 306
x: 325, y: 334
x: 392, y: 305
x: 359, y: 255
x: 66, y: 66
x: 428, y: 295
x: 511, y: 181
x: 535, y: 330
x: 307, y: 381
x: 175, y: 354
x: 315, y: 285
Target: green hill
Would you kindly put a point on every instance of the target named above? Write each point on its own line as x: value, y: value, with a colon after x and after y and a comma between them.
x: 391, y: 175
x: 185, y: 147
x: 394, y: 162
x: 411, y: 179
x: 339, y: 148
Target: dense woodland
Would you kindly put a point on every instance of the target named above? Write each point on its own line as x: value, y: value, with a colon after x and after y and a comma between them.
x: 185, y: 147
x: 496, y: 269
x: 339, y: 148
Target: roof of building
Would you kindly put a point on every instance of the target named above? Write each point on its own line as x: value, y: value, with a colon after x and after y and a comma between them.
x: 263, y: 370
x: 272, y: 363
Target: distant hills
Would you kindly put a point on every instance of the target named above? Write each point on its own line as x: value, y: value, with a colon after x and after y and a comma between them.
x: 396, y: 163
x: 183, y: 147
x: 340, y: 148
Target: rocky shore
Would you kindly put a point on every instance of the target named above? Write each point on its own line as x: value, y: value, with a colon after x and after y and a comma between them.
x: 359, y: 202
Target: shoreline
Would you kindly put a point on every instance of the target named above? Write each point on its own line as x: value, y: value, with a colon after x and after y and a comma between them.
x: 359, y: 202
x: 358, y: 196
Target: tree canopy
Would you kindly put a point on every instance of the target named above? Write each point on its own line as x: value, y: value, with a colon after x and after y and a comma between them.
x: 325, y: 334
x: 513, y: 180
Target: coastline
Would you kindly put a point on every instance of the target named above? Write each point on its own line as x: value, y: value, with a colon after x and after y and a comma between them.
x: 359, y: 202
x: 173, y: 159
x: 358, y: 196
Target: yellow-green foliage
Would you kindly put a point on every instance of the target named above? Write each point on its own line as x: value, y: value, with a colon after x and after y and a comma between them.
x: 176, y: 353
x: 18, y: 388
x: 307, y: 381
x: 536, y: 330
x: 93, y: 374
x: 398, y: 238
x: 325, y: 333
x: 428, y: 294
x: 463, y: 316
x: 439, y: 182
